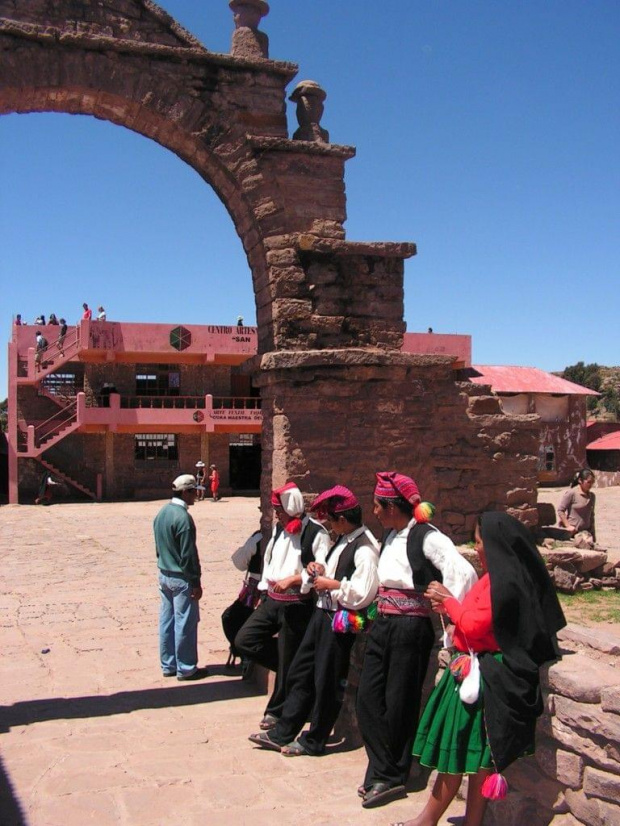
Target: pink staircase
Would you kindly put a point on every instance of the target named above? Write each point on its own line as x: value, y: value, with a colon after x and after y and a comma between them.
x: 66, y: 478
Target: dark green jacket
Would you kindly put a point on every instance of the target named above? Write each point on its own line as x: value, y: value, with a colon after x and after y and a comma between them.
x: 175, y: 542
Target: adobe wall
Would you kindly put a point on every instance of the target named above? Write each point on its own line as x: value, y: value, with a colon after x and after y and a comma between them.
x: 569, y: 439
x: 574, y: 777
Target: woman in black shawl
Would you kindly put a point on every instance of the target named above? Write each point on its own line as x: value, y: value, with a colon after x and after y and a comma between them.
x: 510, y: 619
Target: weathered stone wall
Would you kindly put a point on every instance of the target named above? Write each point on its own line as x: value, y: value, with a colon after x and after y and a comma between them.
x: 357, y: 411
x: 574, y: 777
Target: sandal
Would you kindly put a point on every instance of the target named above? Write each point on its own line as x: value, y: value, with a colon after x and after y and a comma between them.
x: 268, y: 722
x: 263, y: 740
x: 294, y: 749
x: 361, y: 790
x: 380, y: 793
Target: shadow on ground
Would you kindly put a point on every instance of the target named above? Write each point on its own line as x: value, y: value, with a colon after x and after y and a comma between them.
x: 123, y: 702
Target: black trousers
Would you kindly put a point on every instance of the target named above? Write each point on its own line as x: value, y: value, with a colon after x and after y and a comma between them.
x: 389, y: 694
x: 257, y: 641
x: 316, y: 683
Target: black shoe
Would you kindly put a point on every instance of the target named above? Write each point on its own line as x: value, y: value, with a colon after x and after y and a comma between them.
x: 169, y: 673
x: 198, y: 674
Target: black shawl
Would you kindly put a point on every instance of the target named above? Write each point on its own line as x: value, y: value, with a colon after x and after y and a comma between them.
x: 526, y: 618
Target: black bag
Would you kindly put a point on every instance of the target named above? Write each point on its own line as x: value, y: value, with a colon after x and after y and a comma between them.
x: 232, y: 619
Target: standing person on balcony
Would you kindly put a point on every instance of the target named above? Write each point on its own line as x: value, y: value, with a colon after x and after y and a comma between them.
x: 296, y: 542
x: 41, y: 346
x: 214, y: 480
x: 52, y: 319
x: 179, y: 583
x: 101, y: 313
x: 61, y: 336
x: 88, y: 313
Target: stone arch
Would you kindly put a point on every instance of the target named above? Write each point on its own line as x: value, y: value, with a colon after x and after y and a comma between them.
x: 330, y: 312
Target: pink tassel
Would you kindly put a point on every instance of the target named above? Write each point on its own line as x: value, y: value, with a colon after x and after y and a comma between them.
x: 495, y: 787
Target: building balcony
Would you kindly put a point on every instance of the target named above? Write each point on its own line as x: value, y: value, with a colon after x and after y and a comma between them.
x: 165, y: 413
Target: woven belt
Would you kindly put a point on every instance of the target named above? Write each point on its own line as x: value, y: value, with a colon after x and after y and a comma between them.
x: 402, y: 602
x: 290, y: 595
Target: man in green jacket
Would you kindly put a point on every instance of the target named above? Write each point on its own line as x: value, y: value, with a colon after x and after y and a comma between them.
x: 179, y: 583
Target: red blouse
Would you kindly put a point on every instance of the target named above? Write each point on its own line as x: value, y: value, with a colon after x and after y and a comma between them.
x: 473, y: 618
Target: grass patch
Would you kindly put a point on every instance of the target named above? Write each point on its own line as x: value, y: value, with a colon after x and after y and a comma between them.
x: 596, y: 606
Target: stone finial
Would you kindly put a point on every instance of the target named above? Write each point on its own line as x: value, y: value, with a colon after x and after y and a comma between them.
x: 247, y: 41
x: 309, y: 97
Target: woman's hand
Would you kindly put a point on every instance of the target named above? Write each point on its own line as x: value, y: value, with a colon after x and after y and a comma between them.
x: 437, y: 593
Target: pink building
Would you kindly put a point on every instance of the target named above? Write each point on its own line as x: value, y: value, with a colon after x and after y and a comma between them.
x: 126, y: 407
x: 123, y: 408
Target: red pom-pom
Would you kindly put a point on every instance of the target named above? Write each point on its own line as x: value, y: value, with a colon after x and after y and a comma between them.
x: 495, y: 787
x: 293, y: 526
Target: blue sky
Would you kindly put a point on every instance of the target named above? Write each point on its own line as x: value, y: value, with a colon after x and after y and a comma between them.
x: 486, y: 132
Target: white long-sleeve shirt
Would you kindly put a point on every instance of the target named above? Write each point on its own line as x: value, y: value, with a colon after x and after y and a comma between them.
x: 395, y: 571
x: 359, y: 591
x: 283, y: 555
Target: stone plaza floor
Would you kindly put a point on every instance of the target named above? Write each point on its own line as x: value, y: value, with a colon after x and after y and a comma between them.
x: 90, y: 731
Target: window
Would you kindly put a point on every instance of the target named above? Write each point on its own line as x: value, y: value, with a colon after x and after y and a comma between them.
x: 244, y: 439
x: 156, y: 447
x: 546, y: 458
x: 158, y: 380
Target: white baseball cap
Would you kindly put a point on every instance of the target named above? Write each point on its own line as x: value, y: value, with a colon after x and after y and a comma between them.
x: 184, y: 482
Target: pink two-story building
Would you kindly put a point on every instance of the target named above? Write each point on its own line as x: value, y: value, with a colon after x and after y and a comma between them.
x: 123, y: 408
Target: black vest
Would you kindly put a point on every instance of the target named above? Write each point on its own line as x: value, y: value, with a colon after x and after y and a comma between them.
x: 346, y: 562
x: 255, y: 565
x: 423, y: 571
x: 307, y: 539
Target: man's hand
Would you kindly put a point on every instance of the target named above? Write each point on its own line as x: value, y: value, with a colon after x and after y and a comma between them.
x: 284, y: 584
x: 196, y: 592
x: 315, y: 569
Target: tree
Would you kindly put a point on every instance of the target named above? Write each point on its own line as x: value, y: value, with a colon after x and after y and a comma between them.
x: 587, y: 375
x: 4, y: 416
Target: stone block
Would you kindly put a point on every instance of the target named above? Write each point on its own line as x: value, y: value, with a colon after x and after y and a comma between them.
x: 581, y: 678
x: 582, y: 745
x: 603, y: 785
x: 610, y: 699
x: 592, y: 811
x: 562, y: 765
x: 594, y: 638
x: 525, y: 777
x: 484, y: 405
x: 590, y: 719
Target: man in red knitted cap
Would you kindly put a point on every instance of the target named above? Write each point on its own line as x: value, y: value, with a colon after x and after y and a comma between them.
x: 345, y: 586
x: 296, y: 542
x: 413, y: 554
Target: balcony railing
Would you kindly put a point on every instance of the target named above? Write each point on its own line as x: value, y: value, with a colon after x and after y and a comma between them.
x: 236, y: 403
x: 157, y: 402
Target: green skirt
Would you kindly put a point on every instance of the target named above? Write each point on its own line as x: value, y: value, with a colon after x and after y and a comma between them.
x: 451, y: 736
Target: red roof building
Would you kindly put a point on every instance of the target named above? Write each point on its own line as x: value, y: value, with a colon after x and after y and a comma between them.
x: 561, y: 406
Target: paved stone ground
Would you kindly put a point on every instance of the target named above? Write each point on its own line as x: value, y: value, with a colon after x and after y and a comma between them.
x: 91, y: 734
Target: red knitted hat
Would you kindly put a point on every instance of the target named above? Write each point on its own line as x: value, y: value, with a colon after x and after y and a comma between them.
x: 336, y: 499
x: 392, y: 485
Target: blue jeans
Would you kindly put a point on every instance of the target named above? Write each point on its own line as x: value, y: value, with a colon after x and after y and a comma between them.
x: 178, y: 626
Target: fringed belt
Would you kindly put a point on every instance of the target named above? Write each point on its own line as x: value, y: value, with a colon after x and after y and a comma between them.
x: 290, y: 595
x: 402, y: 602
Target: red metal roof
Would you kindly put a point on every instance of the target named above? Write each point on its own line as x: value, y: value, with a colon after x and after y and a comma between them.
x: 510, y: 379
x: 611, y: 441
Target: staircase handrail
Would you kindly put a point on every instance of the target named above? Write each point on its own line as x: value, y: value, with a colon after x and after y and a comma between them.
x: 42, y: 430
x: 70, y: 346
